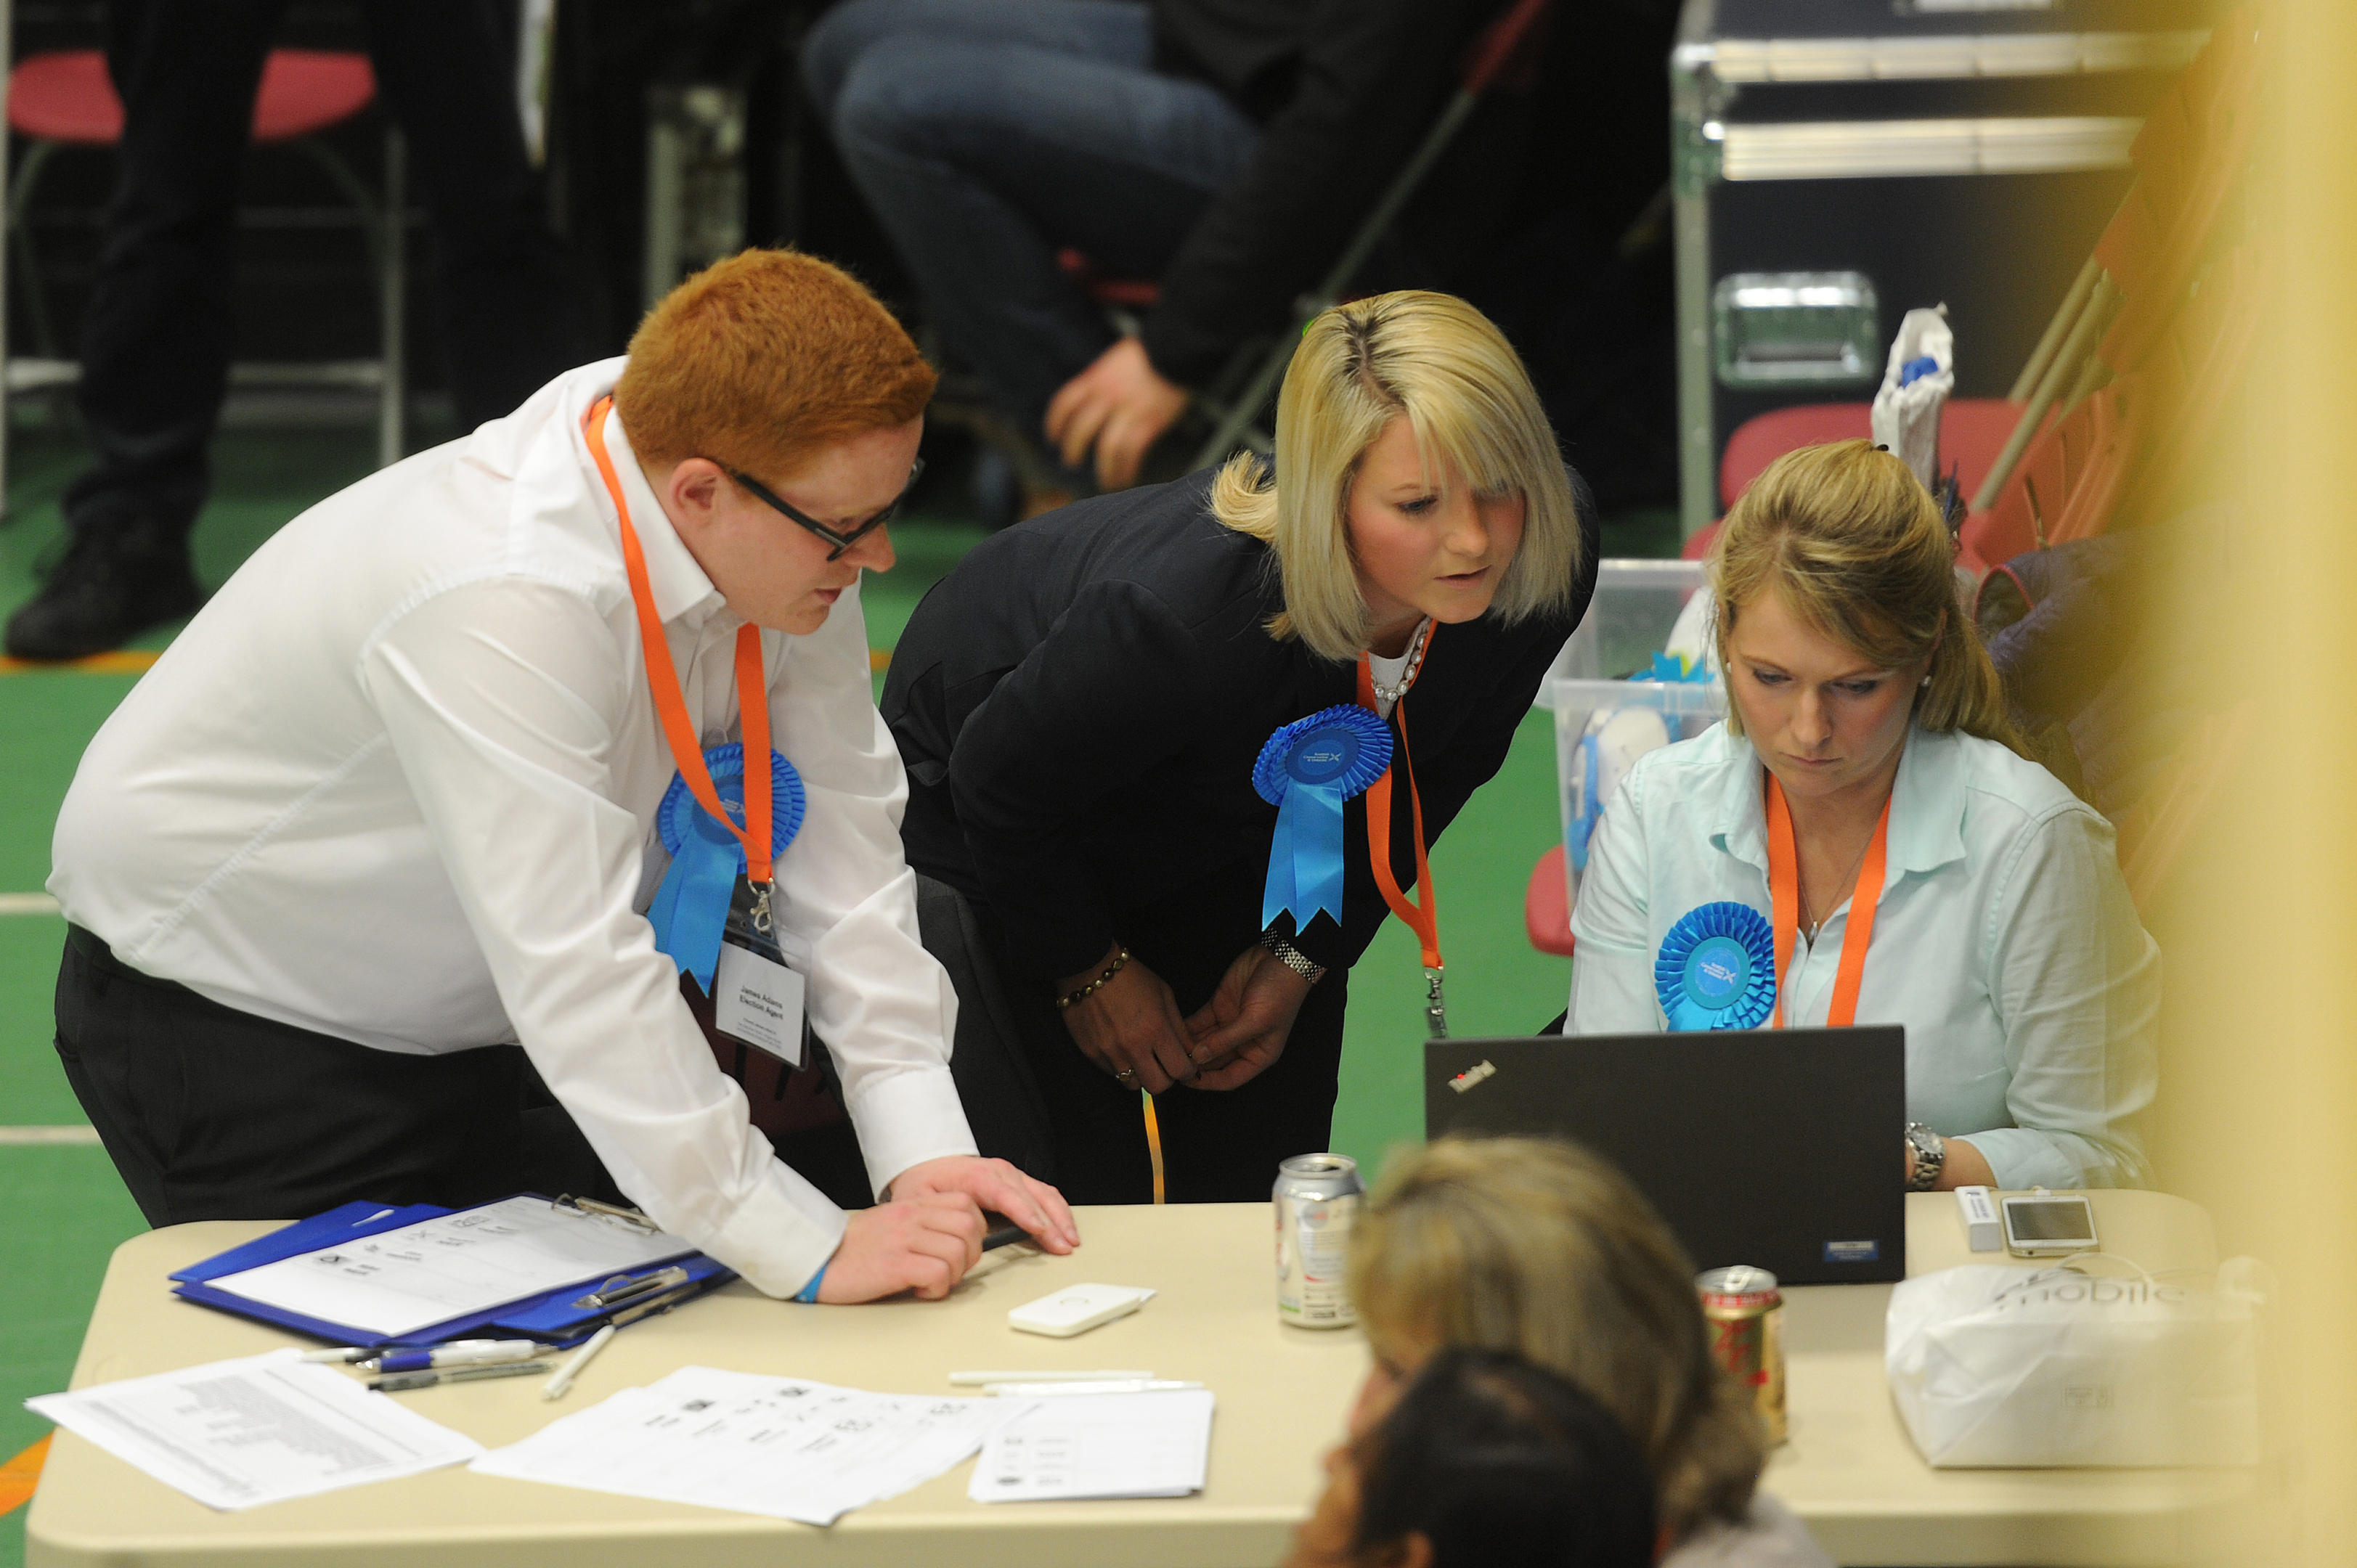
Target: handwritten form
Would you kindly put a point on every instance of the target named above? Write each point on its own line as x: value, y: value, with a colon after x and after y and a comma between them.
x: 234, y: 1434
x: 781, y: 1446
x: 400, y: 1281
x: 1099, y: 1446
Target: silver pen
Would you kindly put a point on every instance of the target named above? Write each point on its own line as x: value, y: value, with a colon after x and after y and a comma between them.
x: 398, y: 1382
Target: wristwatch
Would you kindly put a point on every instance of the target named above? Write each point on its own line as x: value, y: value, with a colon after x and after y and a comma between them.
x: 1931, y: 1154
x: 1292, y: 957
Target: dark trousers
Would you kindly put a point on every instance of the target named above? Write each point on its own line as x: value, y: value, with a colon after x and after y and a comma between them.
x: 986, y: 135
x: 155, y: 342
x: 1217, y: 1147
x: 211, y: 1113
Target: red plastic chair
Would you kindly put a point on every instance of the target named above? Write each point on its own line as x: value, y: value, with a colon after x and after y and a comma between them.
x: 1973, y: 430
x: 66, y: 99
x: 1547, y: 905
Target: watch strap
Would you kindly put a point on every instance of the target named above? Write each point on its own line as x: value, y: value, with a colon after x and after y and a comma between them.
x: 1292, y: 957
x: 1931, y: 1156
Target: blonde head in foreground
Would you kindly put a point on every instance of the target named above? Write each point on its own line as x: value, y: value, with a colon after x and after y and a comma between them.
x: 1543, y: 1249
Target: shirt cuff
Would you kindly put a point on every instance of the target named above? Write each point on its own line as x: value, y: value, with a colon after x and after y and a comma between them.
x: 2023, y: 1157
x: 781, y: 1236
x: 905, y: 1118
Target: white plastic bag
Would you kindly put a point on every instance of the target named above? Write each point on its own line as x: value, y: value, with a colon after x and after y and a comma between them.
x: 2005, y: 1366
x: 1907, y: 410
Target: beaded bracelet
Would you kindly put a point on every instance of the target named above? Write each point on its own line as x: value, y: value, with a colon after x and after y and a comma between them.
x: 1121, y: 961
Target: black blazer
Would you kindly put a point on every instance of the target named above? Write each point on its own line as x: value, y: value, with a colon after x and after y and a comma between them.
x: 1081, y: 702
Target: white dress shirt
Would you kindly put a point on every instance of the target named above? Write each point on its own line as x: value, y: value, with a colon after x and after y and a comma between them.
x: 2004, y: 941
x: 397, y: 782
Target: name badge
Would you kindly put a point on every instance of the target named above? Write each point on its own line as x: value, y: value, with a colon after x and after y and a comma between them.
x: 757, y: 992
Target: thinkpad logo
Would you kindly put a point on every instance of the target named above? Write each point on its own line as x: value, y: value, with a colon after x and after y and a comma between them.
x: 1471, y: 1076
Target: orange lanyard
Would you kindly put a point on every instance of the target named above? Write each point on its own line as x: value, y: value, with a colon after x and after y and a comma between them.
x: 1784, y: 893
x: 1422, y: 917
x: 662, y: 683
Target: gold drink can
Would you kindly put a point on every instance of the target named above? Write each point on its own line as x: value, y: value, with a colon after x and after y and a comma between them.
x: 1745, y: 1314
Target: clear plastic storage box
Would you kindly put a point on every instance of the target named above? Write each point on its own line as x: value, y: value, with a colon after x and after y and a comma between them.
x: 1636, y: 607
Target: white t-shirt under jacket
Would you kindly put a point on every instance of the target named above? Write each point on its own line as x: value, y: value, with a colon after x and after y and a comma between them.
x: 397, y: 783
x: 2005, y: 943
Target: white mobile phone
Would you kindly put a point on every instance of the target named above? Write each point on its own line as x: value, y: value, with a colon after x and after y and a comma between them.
x: 2044, y: 1226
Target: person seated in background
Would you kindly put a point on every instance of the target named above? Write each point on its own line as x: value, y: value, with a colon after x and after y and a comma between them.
x: 1543, y: 1249
x: 1486, y: 1461
x: 1865, y: 788
x: 1088, y: 705
x: 1225, y: 151
x: 388, y: 810
x: 158, y: 331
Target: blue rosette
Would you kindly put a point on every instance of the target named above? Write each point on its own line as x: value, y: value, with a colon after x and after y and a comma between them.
x: 1717, y: 969
x: 1307, y: 771
x: 691, y: 907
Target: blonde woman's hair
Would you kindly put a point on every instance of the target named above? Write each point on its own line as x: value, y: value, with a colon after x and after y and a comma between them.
x: 1545, y: 1249
x: 1861, y: 554
x: 1439, y: 363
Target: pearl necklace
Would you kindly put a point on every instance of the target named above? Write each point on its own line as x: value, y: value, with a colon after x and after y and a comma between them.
x: 1414, y: 663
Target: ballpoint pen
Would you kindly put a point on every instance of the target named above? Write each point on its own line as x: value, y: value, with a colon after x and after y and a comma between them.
x: 456, y: 1353
x: 399, y: 1381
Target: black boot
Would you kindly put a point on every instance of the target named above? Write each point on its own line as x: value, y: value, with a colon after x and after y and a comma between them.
x: 114, y: 581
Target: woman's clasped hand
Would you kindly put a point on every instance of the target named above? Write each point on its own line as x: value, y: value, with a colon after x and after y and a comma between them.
x: 1130, y: 1025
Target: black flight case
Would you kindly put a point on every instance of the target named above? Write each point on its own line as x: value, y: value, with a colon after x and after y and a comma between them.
x: 1838, y: 162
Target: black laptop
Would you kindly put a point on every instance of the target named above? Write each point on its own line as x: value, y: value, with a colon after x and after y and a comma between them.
x: 1778, y: 1147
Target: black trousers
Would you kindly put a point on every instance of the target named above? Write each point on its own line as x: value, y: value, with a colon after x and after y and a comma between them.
x: 1217, y: 1147
x: 211, y: 1113
x: 155, y: 342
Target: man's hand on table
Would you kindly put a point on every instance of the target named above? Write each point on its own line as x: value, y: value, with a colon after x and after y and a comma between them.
x: 997, y: 1185
x: 928, y: 1232
x: 923, y: 1243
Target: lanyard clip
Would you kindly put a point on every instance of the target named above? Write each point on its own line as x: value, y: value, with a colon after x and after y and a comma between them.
x: 763, y: 920
x: 1436, y: 1007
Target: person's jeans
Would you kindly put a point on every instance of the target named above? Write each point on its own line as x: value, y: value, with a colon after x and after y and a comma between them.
x: 155, y: 341
x: 989, y: 133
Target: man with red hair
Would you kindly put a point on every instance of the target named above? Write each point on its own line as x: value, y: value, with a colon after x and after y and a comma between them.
x: 398, y: 801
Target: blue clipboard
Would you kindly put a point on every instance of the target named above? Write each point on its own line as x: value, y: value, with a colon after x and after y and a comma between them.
x: 553, y: 1318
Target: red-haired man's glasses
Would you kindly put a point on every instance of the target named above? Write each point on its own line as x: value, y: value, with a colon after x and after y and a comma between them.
x: 841, y: 540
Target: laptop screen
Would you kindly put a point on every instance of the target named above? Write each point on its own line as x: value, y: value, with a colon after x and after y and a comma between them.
x: 1780, y: 1148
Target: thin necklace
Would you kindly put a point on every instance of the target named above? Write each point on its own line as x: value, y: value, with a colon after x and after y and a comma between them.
x: 1414, y: 663
x: 1808, y: 905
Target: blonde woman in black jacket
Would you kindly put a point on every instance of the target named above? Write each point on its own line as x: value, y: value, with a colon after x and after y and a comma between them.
x: 1084, y: 705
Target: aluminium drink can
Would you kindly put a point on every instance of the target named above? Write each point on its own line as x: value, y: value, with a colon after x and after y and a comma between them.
x: 1745, y: 1314
x: 1317, y: 1201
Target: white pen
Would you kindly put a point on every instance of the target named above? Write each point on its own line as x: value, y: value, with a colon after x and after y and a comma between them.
x: 1107, y: 1386
x: 1100, y: 1375
x: 347, y: 1353
x: 563, y: 1380
x: 456, y: 1353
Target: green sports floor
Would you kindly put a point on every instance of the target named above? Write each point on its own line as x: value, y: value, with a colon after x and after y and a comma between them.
x: 62, y: 1208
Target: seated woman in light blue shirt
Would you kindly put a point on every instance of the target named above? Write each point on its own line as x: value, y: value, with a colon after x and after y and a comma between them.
x: 2003, y: 938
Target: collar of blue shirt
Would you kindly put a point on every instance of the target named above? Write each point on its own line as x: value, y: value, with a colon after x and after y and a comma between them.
x: 1927, y: 811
